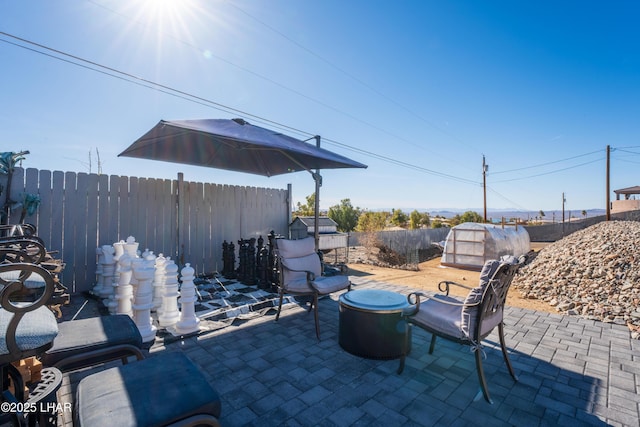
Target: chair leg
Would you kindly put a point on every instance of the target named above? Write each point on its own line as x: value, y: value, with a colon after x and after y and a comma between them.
x: 481, y: 378
x: 504, y: 352
x: 314, y: 303
x: 433, y: 343
x: 279, y: 305
x: 405, y: 348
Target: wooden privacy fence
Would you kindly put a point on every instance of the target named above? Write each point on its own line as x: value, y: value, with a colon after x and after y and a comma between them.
x: 187, y: 221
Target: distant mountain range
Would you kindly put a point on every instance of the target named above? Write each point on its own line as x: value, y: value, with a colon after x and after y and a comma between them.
x: 497, y: 213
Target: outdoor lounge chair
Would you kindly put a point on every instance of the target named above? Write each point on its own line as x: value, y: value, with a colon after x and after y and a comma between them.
x: 466, y: 321
x: 78, y: 343
x: 163, y: 390
x: 65, y: 345
x: 301, y: 274
x: 27, y: 328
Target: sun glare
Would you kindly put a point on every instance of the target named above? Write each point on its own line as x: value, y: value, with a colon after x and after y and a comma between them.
x: 164, y: 22
x: 168, y: 13
x: 166, y: 9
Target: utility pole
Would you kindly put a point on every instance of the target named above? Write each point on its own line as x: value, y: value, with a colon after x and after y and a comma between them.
x: 608, y: 189
x: 485, y: 168
x: 563, y: 202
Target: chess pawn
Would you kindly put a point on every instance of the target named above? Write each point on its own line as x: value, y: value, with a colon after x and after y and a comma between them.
x: 189, y: 322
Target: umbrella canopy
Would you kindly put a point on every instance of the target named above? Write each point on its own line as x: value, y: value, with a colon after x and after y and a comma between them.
x: 233, y: 145
x: 237, y: 146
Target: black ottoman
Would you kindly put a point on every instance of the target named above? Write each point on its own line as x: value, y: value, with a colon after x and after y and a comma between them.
x: 157, y: 391
x: 86, y: 342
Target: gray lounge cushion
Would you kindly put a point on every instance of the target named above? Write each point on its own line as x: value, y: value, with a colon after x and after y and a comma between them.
x: 443, y: 318
x: 79, y: 336
x: 153, y: 392
x: 299, y: 256
x: 37, y: 328
x: 329, y: 284
x: 460, y: 320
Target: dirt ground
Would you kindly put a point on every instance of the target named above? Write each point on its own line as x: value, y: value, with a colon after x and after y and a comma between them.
x: 430, y: 273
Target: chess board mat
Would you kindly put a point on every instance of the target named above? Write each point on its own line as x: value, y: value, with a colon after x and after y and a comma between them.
x: 222, y: 301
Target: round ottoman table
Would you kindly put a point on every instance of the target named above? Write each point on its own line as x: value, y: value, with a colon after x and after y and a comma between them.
x: 371, y: 324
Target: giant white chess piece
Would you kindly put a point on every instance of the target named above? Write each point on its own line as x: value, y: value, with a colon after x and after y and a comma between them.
x: 143, y: 272
x: 131, y: 247
x: 124, y: 291
x: 108, y: 271
x: 168, y: 312
x: 158, y: 284
x: 189, y: 322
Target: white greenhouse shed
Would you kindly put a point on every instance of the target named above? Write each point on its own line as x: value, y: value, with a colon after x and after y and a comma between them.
x: 469, y: 245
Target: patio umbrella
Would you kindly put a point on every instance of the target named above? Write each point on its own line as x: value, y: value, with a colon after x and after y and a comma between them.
x: 238, y: 146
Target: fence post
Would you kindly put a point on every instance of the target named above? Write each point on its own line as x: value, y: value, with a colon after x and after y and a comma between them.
x: 179, y: 231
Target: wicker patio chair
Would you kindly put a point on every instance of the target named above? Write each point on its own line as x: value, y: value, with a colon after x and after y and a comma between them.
x: 466, y: 321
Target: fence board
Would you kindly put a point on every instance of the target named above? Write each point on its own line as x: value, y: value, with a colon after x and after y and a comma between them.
x: 92, y: 231
x: 70, y: 218
x: 124, y: 223
x: 114, y: 210
x: 80, y: 223
x: 57, y: 210
x: 103, y: 210
x: 43, y: 217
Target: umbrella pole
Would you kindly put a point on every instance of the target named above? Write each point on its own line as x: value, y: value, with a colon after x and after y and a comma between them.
x: 318, y: 179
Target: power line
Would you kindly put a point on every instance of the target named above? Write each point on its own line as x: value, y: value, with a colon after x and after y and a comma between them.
x: 546, y: 164
x: 507, y: 199
x: 112, y: 72
x: 549, y: 173
x: 274, y: 82
x: 351, y: 76
x: 401, y: 163
x: 627, y: 151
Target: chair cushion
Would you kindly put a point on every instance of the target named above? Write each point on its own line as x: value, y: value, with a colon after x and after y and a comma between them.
x: 34, y: 281
x: 470, y: 313
x: 296, y: 248
x: 153, y: 392
x: 310, y: 262
x: 79, y: 336
x: 300, y: 286
x: 328, y: 284
x: 37, y: 328
x: 444, y: 319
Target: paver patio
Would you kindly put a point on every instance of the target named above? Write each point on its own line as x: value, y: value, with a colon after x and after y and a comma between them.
x: 572, y: 371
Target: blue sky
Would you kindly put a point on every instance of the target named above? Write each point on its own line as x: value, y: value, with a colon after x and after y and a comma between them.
x: 417, y: 90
